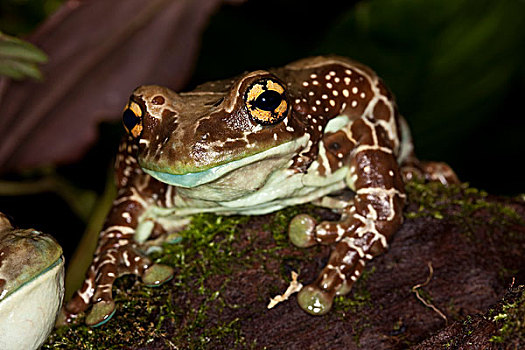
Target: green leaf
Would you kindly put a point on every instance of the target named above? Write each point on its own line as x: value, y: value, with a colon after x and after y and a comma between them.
x: 19, y: 59
x: 19, y: 69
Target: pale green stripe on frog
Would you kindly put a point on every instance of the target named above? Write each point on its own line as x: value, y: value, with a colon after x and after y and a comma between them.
x: 190, y: 180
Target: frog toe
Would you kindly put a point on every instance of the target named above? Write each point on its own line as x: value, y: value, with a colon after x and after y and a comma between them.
x: 157, y: 275
x: 301, y: 231
x: 429, y: 171
x: 64, y: 318
x: 439, y: 172
x: 100, y: 313
x: 314, y: 300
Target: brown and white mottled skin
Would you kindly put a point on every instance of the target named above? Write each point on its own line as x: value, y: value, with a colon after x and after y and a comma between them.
x: 252, y: 145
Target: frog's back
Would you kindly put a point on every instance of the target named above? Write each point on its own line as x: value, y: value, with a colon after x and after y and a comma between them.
x: 325, y: 87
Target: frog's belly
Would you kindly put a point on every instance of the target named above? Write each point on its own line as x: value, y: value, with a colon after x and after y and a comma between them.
x: 283, y: 188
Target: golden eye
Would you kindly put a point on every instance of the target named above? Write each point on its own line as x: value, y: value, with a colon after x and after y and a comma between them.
x: 132, y: 119
x: 266, y: 101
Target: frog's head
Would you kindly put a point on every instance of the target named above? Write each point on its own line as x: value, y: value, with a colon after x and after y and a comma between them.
x: 189, y: 139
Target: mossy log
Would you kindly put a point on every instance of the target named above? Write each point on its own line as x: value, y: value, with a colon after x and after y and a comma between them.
x: 442, y: 284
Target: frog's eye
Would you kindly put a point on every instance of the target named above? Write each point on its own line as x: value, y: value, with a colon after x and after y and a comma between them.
x: 266, y: 102
x: 132, y: 119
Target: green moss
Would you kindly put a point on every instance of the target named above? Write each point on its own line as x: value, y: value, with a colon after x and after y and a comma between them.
x: 467, y: 323
x: 129, y: 325
x: 359, y: 298
x: 205, y: 249
x: 457, y: 203
x: 511, y: 322
x: 468, y: 320
x: 210, y: 248
x: 144, y: 314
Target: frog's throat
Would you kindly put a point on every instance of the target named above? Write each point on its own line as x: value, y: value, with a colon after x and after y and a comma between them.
x: 189, y: 180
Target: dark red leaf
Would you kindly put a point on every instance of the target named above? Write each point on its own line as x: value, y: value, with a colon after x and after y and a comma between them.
x: 99, y: 51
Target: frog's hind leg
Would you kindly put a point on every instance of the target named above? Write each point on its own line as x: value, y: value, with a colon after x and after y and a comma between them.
x: 359, y: 238
x: 344, y: 267
x: 362, y: 233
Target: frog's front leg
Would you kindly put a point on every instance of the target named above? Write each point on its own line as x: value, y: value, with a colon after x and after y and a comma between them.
x: 365, y: 226
x: 117, y: 252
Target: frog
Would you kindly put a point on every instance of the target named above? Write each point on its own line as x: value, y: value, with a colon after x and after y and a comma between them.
x: 252, y: 145
x: 31, y: 285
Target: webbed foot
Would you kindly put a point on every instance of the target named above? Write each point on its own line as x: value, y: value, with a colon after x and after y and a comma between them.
x: 314, y: 300
x: 301, y: 231
x: 108, y: 265
x: 344, y: 267
x: 429, y: 171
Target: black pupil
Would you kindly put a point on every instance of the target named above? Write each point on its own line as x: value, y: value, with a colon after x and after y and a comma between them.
x: 268, y: 100
x: 130, y: 119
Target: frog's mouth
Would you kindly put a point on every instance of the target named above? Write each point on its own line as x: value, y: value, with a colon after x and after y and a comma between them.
x: 188, y: 180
